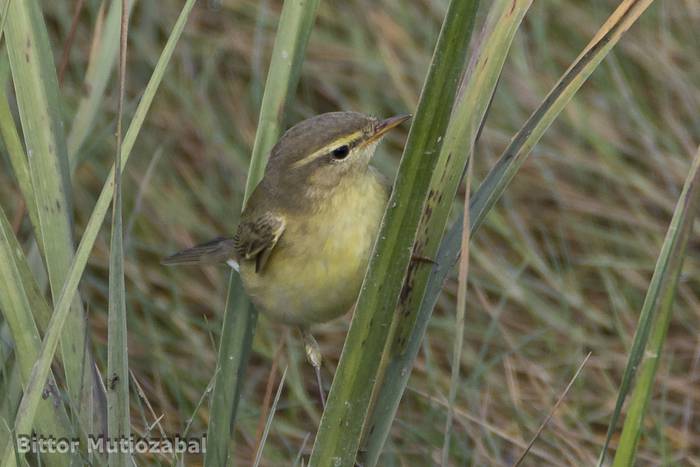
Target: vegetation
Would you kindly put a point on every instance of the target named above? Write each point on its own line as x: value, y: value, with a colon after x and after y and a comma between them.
x: 573, y: 250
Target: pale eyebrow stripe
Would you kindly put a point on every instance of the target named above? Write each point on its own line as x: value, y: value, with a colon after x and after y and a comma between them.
x: 326, y: 149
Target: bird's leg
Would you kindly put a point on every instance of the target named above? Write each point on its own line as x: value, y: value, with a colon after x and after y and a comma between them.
x: 313, y: 356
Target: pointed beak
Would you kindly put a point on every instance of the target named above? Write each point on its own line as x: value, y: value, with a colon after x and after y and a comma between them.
x: 385, y: 125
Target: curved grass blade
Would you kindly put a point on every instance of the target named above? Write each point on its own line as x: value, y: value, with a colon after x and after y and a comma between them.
x: 468, y: 115
x: 32, y: 395
x: 36, y: 88
x: 360, y: 373
x: 240, y: 317
x: 656, y: 316
x: 118, y: 421
x: 522, y: 143
x: 488, y: 193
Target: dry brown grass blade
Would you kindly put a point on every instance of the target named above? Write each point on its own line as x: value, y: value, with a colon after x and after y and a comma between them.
x: 551, y: 413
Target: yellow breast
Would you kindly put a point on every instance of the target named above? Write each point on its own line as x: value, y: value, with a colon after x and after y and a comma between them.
x: 315, y: 272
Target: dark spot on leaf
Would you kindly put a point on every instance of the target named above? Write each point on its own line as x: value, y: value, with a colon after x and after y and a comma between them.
x: 407, y: 285
x: 112, y: 382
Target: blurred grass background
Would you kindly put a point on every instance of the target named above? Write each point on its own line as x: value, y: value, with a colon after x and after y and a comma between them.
x: 560, y: 267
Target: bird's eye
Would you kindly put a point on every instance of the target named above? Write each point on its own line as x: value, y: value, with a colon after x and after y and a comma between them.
x: 341, y: 152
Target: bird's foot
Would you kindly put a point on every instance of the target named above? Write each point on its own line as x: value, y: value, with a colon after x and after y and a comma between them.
x: 314, y: 357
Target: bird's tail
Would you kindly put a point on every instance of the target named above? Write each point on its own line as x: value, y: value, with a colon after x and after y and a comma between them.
x: 219, y: 250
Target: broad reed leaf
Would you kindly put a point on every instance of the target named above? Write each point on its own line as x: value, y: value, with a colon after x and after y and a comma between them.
x: 469, y: 112
x: 32, y: 395
x: 240, y: 317
x: 655, y: 318
x: 360, y: 371
x: 488, y: 193
x: 36, y: 88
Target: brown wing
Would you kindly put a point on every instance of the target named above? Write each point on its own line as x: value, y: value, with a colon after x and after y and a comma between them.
x: 256, y: 238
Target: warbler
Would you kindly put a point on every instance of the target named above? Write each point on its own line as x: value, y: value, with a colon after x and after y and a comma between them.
x: 306, y: 234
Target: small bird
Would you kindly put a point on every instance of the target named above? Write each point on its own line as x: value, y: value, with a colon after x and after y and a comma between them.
x: 307, y: 231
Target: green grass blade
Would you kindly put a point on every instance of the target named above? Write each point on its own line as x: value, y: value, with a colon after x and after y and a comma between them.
x: 3, y: 17
x: 36, y: 88
x: 339, y: 435
x: 37, y: 99
x: 16, y: 303
x: 296, y: 22
x: 37, y: 303
x: 40, y: 371
x: 470, y: 110
x: 13, y: 145
x: 97, y: 77
x: 240, y: 317
x: 118, y: 421
x: 238, y: 328
x: 10, y: 394
x: 656, y: 316
x: 486, y: 196
x: 18, y: 162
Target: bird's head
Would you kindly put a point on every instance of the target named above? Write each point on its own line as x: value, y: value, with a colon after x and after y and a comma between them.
x: 323, y: 151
